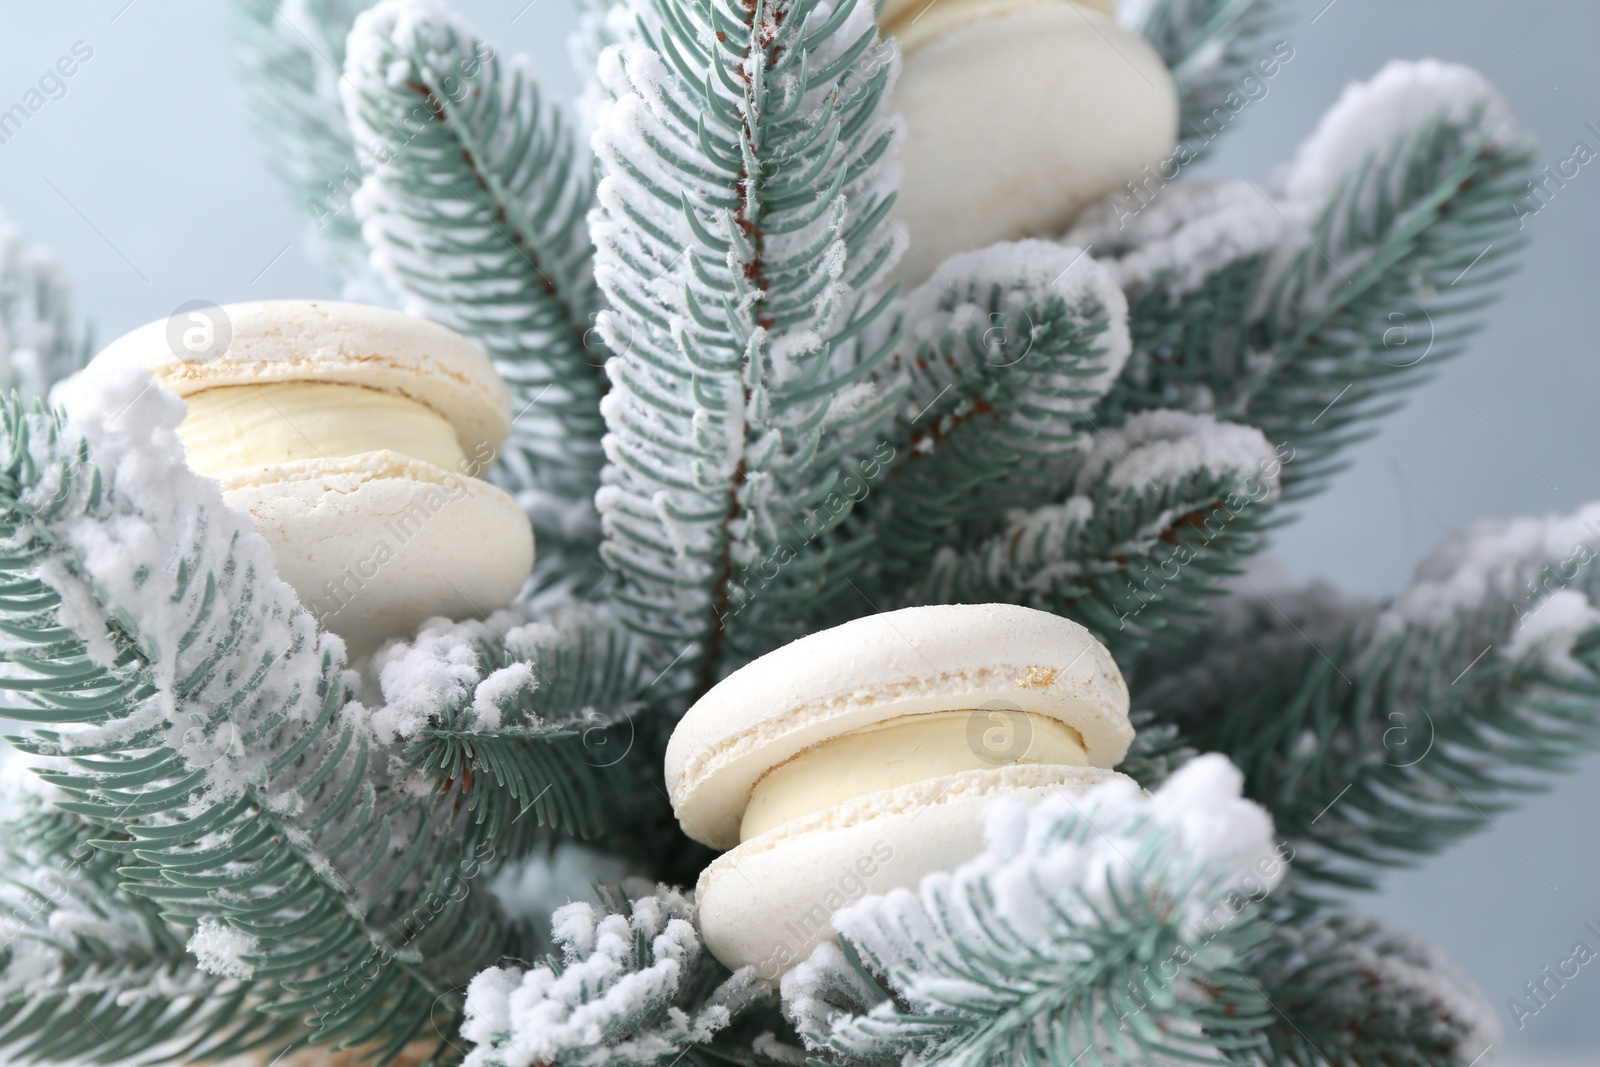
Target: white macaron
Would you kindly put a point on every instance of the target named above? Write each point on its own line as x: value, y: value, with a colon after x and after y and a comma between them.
x: 357, y: 439
x: 1019, y: 113
x: 859, y: 759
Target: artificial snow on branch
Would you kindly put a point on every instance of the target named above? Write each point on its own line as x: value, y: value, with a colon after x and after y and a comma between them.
x: 1004, y: 352
x: 91, y: 971
x: 1216, y: 50
x: 1108, y: 927
x: 1349, y: 990
x: 1304, y: 307
x: 290, y: 56
x: 1158, y: 513
x: 1378, y: 735
x: 474, y: 212
x: 529, y: 725
x: 738, y: 239
x: 209, y: 730
x: 40, y: 342
x: 633, y: 985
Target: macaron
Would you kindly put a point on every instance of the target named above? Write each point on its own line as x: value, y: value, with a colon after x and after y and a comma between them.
x: 859, y: 759
x: 1019, y: 113
x: 357, y: 439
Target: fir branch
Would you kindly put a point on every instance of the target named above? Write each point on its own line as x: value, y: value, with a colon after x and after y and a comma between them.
x: 1304, y: 309
x: 1378, y: 737
x: 40, y: 344
x: 1212, y: 48
x: 209, y: 730
x: 1349, y: 992
x: 1192, y: 263
x: 290, y: 58
x: 1105, y: 927
x: 633, y: 985
x: 90, y: 972
x: 475, y: 214
x: 1157, y: 751
x: 740, y: 223
x: 537, y: 742
x: 1005, y: 352
x: 1159, y: 512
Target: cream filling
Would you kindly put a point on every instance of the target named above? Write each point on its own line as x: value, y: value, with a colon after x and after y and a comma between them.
x: 238, y: 427
x: 902, y: 751
x: 916, y: 22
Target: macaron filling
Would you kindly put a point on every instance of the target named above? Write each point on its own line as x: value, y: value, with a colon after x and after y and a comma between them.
x: 901, y: 751
x: 236, y: 428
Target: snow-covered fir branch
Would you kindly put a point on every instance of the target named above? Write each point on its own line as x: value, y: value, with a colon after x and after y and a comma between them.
x: 474, y: 211
x: 633, y: 986
x: 1109, y: 922
x: 739, y: 236
x: 1005, y: 352
x: 1420, y: 717
x: 1157, y: 514
x: 75, y: 947
x: 1220, y: 59
x: 209, y: 728
x: 527, y: 725
x: 289, y: 55
x: 1304, y: 306
x: 1349, y: 990
x: 40, y: 339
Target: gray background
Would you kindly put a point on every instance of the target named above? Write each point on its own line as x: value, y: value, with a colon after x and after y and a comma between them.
x: 145, y: 180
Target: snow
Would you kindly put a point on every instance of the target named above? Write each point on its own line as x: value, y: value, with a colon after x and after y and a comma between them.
x: 407, y: 26
x: 1196, y: 852
x: 612, y: 1000
x: 1552, y: 629
x: 1106, y: 226
x: 957, y: 299
x: 1162, y: 446
x: 35, y: 314
x: 31, y: 964
x: 1042, y: 538
x: 504, y: 686
x: 1518, y: 559
x: 122, y: 559
x: 488, y: 1011
x: 439, y: 667
x: 221, y: 950
x: 451, y: 665
x: 1192, y: 231
x: 1186, y: 231
x: 1199, y: 814
x: 1375, y: 115
x: 1402, y: 974
x: 1421, y: 973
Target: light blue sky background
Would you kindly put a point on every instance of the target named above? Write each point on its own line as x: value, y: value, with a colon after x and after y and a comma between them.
x: 145, y: 179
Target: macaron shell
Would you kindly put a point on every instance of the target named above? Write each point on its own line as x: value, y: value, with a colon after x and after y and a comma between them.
x: 894, y: 15
x: 1018, y: 118
x: 400, y: 539
x: 330, y: 341
x: 880, y: 667
x: 769, y: 902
